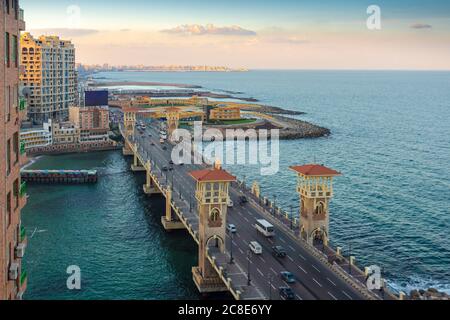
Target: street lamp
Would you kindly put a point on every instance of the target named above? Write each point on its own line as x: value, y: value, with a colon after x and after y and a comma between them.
x: 350, y: 258
x: 249, y: 281
x: 291, y: 217
x: 274, y: 204
x: 231, y: 248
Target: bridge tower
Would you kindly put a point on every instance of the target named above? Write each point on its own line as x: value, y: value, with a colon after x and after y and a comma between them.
x: 173, y: 120
x: 315, y: 187
x: 212, y: 194
x: 129, y: 125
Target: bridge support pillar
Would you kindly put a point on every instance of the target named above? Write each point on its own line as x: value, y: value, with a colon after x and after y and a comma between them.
x: 168, y: 222
x: 126, y: 150
x: 136, y: 166
x: 212, y: 194
x: 150, y: 187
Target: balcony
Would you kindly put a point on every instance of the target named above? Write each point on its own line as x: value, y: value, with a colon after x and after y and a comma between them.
x: 22, y: 104
x: 22, y: 25
x: 23, y: 189
x: 22, y: 147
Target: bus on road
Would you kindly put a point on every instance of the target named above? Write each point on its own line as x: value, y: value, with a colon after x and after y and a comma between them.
x: 265, y: 228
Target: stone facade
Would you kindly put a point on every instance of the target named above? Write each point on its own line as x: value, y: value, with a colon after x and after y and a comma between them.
x: 13, y: 279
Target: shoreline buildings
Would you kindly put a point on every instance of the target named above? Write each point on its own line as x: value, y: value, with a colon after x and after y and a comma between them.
x: 49, y: 64
x: 13, y: 278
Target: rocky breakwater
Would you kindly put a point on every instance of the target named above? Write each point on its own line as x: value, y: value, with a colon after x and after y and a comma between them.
x: 430, y: 294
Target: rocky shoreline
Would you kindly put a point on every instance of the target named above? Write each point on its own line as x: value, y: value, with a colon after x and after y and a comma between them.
x: 430, y: 294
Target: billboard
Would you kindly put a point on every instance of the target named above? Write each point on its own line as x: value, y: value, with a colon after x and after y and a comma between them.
x: 96, y: 98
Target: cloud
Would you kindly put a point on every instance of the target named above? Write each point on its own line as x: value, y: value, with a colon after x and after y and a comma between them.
x: 209, y: 29
x: 64, y: 32
x: 421, y: 26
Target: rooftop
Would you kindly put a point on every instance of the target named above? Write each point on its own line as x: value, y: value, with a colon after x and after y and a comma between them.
x: 212, y: 175
x: 315, y: 170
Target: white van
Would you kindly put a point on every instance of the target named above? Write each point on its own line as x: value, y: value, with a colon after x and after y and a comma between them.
x: 255, y: 247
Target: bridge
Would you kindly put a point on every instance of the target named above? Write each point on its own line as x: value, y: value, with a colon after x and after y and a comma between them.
x: 196, y: 197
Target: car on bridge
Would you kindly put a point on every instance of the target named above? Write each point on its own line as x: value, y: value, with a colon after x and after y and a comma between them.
x: 255, y: 247
x: 287, y: 293
x: 288, y: 277
x: 231, y: 228
x: 165, y: 169
x: 230, y: 203
x: 279, y: 252
x: 243, y: 200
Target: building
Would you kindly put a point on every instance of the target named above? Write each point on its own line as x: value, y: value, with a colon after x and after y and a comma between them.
x: 92, y: 121
x: 49, y: 64
x: 224, y: 112
x: 66, y: 133
x: 37, y: 136
x: 13, y: 278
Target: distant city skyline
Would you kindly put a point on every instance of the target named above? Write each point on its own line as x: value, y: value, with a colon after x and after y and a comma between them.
x: 414, y: 34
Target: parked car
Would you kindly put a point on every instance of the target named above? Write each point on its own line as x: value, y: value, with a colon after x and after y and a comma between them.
x: 288, y: 277
x: 231, y: 228
x: 287, y: 293
x: 255, y: 247
x: 165, y: 169
x: 171, y: 162
x: 164, y: 148
x: 279, y: 252
x: 243, y: 200
x: 171, y: 168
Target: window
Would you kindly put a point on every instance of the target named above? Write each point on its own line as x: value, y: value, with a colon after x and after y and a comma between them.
x: 16, y: 189
x: 7, y: 104
x: 16, y: 147
x: 7, y: 6
x: 15, y: 52
x: 7, y: 50
x: 8, y: 157
x: 8, y: 209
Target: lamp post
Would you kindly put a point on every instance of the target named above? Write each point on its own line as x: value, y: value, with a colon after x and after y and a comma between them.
x: 291, y: 217
x: 231, y: 248
x: 350, y: 258
x: 249, y: 281
x: 274, y: 204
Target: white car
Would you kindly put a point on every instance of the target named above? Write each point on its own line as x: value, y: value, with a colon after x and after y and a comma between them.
x: 255, y: 247
x: 230, y: 203
x: 231, y: 228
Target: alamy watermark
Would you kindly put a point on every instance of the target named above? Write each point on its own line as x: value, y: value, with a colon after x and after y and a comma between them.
x: 234, y: 147
x: 374, y: 20
x: 74, y: 280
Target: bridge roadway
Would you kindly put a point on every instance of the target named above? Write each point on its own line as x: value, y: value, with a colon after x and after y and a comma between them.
x: 315, y: 279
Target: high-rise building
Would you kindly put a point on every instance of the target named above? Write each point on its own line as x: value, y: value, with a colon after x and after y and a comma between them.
x: 50, y: 74
x: 13, y: 278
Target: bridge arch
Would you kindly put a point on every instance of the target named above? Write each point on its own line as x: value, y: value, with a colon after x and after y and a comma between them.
x: 319, y: 236
x: 216, y: 242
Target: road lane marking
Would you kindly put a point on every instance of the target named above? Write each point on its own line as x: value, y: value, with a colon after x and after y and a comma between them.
x: 298, y: 297
x: 245, y: 218
x: 302, y: 257
x: 259, y: 271
x: 274, y: 287
x: 282, y: 240
x: 271, y: 269
x: 347, y: 295
x: 290, y: 258
x: 318, y: 283
x: 262, y: 259
x: 303, y: 270
x: 332, y: 296
x: 290, y: 247
x: 242, y: 252
x: 334, y: 284
x: 315, y: 268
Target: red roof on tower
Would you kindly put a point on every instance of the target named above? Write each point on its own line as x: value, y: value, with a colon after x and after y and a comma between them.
x: 315, y: 170
x: 211, y: 175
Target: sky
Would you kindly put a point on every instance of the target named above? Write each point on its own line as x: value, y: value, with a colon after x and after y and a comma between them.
x: 263, y: 34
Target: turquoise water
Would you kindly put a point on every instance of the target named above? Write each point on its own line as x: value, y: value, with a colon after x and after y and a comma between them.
x: 390, y: 140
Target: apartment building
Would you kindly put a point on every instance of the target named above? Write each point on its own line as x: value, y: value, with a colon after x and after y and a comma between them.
x: 65, y: 133
x: 36, y: 137
x: 92, y: 121
x: 49, y: 64
x: 13, y: 278
x: 224, y: 112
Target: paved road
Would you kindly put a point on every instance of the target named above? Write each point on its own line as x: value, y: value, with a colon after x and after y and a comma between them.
x: 315, y: 281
